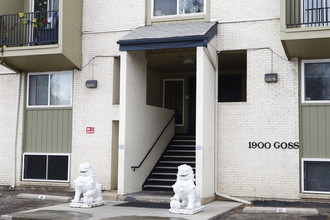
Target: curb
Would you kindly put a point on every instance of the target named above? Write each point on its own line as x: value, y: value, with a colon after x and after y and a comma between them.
x: 6, y: 217
x: 146, y: 198
x: 44, y: 197
x: 303, y: 211
x: 226, y: 212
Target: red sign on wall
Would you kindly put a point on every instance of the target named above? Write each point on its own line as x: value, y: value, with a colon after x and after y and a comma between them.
x: 90, y: 130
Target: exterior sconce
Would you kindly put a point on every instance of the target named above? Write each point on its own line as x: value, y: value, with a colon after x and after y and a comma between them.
x: 91, y: 84
x: 271, y: 77
x: 188, y: 61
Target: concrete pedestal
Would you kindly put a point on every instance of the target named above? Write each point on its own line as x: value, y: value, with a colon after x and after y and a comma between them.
x: 84, y: 205
x: 187, y: 211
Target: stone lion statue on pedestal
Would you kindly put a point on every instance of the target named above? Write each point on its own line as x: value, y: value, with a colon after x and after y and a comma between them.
x: 86, y: 186
x: 186, y: 199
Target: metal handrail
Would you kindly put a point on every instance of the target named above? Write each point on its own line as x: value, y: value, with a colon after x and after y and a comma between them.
x: 145, y: 157
x: 307, y: 13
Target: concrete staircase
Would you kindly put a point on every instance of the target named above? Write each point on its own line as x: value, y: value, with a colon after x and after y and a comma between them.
x: 180, y: 151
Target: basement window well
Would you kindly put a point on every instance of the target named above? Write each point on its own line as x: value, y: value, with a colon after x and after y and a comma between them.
x: 46, y: 167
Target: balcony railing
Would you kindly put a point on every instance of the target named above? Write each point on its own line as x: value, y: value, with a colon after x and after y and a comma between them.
x: 307, y: 13
x: 29, y: 29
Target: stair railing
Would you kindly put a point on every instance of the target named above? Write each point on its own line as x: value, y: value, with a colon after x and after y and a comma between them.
x: 145, y: 157
x: 29, y: 29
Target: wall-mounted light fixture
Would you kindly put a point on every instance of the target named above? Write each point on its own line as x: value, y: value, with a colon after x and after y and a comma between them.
x: 188, y: 60
x: 91, y: 83
x: 271, y: 77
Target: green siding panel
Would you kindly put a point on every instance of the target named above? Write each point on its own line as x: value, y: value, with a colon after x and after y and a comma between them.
x: 327, y: 126
x: 44, y: 131
x: 306, y: 150
x: 48, y: 131
x: 55, y: 135
x: 60, y: 130
x: 315, y: 130
x: 321, y: 129
x: 65, y: 143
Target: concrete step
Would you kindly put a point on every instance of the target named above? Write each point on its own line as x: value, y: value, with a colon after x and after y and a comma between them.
x: 148, y: 196
x: 110, y: 195
x: 179, y: 156
x: 180, y: 151
x: 44, y: 197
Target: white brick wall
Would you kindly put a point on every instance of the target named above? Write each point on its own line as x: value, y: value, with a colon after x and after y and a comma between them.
x: 8, y: 108
x: 239, y: 10
x: 8, y: 101
x: 104, y: 23
x: 4, y: 70
x: 93, y: 108
x: 269, y: 115
x: 114, y: 15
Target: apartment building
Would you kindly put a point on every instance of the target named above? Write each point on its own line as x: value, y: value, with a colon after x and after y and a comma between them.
x: 236, y: 89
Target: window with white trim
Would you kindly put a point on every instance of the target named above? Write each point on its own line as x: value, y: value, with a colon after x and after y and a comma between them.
x: 315, y: 81
x: 50, y: 89
x: 177, y: 7
x: 46, y: 167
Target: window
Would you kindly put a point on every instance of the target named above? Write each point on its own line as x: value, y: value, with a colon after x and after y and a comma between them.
x: 46, y: 167
x: 316, y: 175
x: 46, y: 10
x: 232, y: 76
x: 50, y: 89
x: 315, y: 81
x: 177, y: 7
x: 44, y: 5
x: 230, y: 88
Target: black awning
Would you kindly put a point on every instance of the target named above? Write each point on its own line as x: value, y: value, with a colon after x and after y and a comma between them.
x: 179, y: 35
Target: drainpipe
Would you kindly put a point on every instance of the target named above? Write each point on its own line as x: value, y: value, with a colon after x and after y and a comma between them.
x: 216, y: 151
x: 16, y: 129
x: 216, y: 136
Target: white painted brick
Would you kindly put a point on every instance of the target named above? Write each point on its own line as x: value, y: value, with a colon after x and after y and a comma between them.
x: 92, y: 108
x: 270, y: 113
x: 8, y: 107
x: 237, y: 10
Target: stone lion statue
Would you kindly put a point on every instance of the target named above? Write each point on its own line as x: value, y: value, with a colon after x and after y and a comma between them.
x: 86, y: 186
x: 186, y: 195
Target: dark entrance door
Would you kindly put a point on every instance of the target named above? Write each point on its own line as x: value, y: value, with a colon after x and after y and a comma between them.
x: 45, y: 26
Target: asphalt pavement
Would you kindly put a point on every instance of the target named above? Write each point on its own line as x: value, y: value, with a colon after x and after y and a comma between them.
x: 281, y: 210
x: 38, y: 206
x: 55, y: 205
x: 9, y: 203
